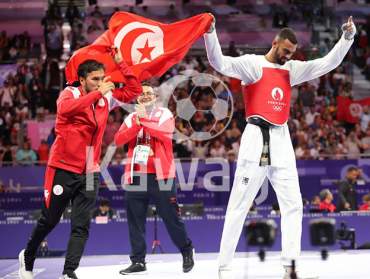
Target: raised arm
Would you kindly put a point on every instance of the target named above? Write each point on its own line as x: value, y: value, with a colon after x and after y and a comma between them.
x: 132, y: 87
x: 237, y: 67
x: 303, y: 71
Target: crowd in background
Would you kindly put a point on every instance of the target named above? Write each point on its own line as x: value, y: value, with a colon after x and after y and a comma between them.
x: 31, y: 93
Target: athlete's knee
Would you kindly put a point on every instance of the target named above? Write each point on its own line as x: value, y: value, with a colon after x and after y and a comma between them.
x: 49, y: 222
x: 81, y: 231
x: 80, y: 226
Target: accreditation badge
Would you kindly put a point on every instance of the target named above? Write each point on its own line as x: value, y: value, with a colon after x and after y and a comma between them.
x: 142, y: 153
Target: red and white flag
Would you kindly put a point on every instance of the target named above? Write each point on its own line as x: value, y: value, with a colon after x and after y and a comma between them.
x: 149, y: 47
x: 350, y: 110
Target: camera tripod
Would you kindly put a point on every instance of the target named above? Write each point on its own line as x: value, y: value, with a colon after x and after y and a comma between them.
x: 156, y: 242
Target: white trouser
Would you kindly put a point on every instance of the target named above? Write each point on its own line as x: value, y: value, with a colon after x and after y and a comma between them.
x: 249, y: 177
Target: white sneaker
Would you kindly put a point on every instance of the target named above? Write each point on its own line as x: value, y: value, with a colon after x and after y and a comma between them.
x: 22, y: 272
x: 225, y: 273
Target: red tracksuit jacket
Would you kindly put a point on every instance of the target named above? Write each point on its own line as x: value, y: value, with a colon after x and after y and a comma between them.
x: 160, y: 125
x: 80, y: 122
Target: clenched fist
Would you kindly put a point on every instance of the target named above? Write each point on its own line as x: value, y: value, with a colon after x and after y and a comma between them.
x: 106, y: 86
x: 117, y: 54
x: 213, y: 24
x: 349, y: 29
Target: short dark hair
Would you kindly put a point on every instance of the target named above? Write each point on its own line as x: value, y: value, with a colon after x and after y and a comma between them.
x: 287, y: 33
x: 89, y: 66
x: 351, y: 169
x: 104, y: 202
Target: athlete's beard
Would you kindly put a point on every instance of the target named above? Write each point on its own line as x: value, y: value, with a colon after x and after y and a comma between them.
x: 277, y: 58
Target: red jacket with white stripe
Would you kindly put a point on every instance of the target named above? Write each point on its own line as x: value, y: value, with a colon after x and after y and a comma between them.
x: 81, y: 120
x: 160, y: 126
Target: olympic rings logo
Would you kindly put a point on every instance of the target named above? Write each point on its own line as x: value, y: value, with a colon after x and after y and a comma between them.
x: 277, y: 108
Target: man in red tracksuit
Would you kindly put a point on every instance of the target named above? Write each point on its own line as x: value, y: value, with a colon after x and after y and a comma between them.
x: 150, y: 174
x: 82, y: 113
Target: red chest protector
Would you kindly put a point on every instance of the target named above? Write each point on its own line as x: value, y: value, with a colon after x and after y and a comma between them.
x: 269, y: 97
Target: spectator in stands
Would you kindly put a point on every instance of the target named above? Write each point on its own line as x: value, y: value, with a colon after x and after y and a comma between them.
x: 25, y: 155
x: 235, y: 132
x: 347, y: 198
x: 366, y: 67
x: 2, y: 186
x: 311, y: 115
x: 315, y: 204
x: 4, y: 43
x: 93, y: 27
x: 2, y: 152
x: 182, y: 147
x: 104, y: 209
x: 217, y: 149
x: 40, y: 114
x: 352, y: 144
x: 363, y: 40
x: 36, y: 92
x: 346, y: 89
x: 54, y: 41
x: 189, y: 63
x: 365, y: 118
x: 306, y: 95
x: 96, y: 12
x: 231, y: 156
x: 7, y: 94
x: 200, y: 149
x: 302, y: 151
x: 53, y: 83
x: 365, y: 143
x: 23, y: 44
x: 6, y: 158
x: 326, y: 201
x: 54, y: 12
x: 72, y: 12
x: 365, y: 203
x: 21, y: 111
x: 280, y: 17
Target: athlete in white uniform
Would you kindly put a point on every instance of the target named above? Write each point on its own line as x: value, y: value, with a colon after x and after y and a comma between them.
x: 269, y: 79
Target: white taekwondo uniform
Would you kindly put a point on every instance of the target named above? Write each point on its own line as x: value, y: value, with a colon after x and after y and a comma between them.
x: 272, y: 105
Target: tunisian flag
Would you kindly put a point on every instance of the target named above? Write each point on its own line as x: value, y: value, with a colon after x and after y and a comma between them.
x: 149, y: 47
x: 350, y: 110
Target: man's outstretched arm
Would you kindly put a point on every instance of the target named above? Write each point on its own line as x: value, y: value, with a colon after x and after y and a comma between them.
x: 303, y: 71
x: 238, y: 67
